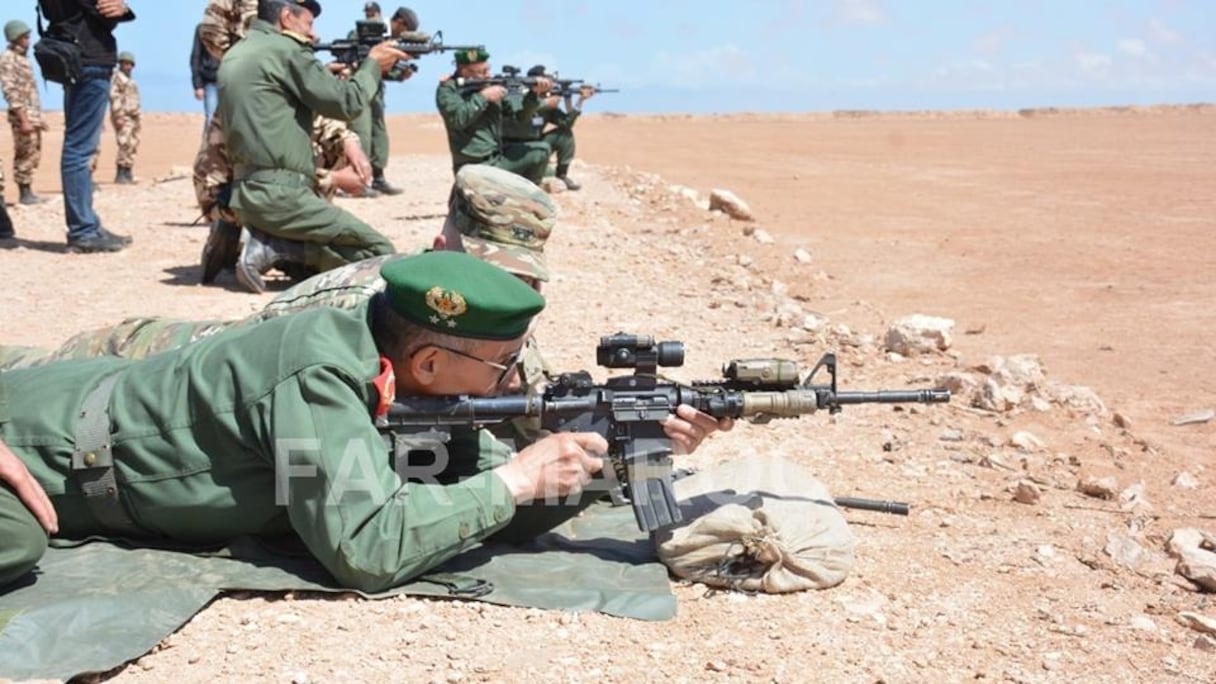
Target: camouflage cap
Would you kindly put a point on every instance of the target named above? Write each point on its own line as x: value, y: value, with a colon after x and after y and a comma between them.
x: 125, y: 56
x: 15, y: 29
x: 472, y: 56
x: 503, y: 218
x: 459, y: 295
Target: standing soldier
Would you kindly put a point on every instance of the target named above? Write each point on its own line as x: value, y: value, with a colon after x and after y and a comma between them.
x: 24, y: 108
x: 124, y: 115
x: 474, y: 119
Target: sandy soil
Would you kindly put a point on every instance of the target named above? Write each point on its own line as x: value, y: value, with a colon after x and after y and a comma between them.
x: 1085, y: 238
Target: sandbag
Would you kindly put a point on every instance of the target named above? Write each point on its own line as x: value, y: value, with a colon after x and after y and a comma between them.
x: 756, y: 524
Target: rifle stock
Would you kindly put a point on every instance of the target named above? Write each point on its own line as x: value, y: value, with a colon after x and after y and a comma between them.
x: 628, y: 411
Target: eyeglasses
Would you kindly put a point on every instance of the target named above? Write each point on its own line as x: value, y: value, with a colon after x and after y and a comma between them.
x: 503, y: 368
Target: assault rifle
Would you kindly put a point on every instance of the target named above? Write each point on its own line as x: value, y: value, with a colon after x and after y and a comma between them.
x: 368, y: 34
x: 628, y: 412
x: 510, y: 79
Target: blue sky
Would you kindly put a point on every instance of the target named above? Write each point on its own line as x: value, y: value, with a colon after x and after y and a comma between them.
x: 777, y: 55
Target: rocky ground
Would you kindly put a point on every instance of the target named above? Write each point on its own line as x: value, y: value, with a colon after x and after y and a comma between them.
x: 1044, y: 504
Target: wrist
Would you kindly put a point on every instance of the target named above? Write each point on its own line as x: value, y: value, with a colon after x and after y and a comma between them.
x: 516, y: 482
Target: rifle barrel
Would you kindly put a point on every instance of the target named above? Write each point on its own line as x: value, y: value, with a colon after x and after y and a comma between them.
x: 876, y: 505
x: 921, y: 396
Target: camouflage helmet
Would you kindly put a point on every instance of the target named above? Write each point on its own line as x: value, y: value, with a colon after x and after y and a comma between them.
x: 503, y: 218
x: 126, y: 56
x: 15, y: 29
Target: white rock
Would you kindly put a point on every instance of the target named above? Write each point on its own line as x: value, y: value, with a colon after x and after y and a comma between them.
x: 761, y: 236
x: 1195, y: 563
x: 802, y: 256
x: 1185, y: 480
x: 1142, y: 622
x: 919, y: 333
x: 553, y: 186
x: 1026, y: 441
x: 1125, y: 551
x: 1099, y: 487
x: 1197, y: 622
x: 813, y: 322
x: 730, y: 204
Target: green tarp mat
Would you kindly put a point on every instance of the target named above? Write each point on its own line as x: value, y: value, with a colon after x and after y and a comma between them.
x: 95, y: 606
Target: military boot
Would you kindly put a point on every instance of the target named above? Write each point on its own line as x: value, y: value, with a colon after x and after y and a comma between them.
x: 562, y: 170
x: 261, y: 252
x: 27, y: 195
x: 222, y: 249
x: 123, y: 176
x: 6, y: 223
x: 381, y: 185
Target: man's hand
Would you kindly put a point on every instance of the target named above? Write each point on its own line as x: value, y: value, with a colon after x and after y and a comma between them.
x: 347, y: 180
x: 27, y: 128
x: 111, y: 9
x: 14, y: 473
x: 386, y: 55
x: 199, y: 93
x: 357, y: 158
x: 494, y: 93
x: 542, y: 86
x: 585, y: 93
x: 689, y: 427
x: 557, y: 466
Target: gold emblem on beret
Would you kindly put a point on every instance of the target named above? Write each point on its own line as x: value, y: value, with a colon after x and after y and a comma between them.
x: 448, y: 304
x: 472, y: 55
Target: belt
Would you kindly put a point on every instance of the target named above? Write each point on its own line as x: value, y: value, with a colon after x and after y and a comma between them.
x: 277, y: 176
x: 93, y: 460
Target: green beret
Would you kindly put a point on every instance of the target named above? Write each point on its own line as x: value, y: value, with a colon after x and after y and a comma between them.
x: 125, y: 56
x: 503, y: 218
x: 464, y: 57
x: 15, y: 29
x: 460, y: 295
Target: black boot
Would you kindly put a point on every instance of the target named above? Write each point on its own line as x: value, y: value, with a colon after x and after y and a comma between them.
x: 222, y: 249
x: 6, y: 223
x: 561, y: 171
x: 261, y: 252
x: 381, y: 185
x: 27, y: 195
x: 123, y: 176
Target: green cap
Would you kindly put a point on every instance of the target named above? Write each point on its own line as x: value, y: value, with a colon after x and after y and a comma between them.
x: 460, y: 295
x: 15, y: 29
x: 503, y: 218
x: 474, y: 56
x: 125, y: 56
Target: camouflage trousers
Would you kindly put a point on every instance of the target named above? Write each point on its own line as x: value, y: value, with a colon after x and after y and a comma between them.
x: 126, y: 133
x: 27, y: 155
x: 134, y: 338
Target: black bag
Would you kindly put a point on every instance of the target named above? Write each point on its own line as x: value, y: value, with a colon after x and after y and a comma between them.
x: 58, y: 54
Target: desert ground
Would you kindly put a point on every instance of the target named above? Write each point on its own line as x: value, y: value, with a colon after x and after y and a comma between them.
x: 1036, y: 550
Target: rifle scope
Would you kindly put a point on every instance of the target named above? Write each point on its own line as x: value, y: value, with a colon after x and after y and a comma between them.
x: 638, y: 351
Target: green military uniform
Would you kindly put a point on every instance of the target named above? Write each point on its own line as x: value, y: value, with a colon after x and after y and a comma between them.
x: 270, y: 87
x: 560, y: 137
x: 267, y: 430
x: 373, y: 133
x: 474, y: 128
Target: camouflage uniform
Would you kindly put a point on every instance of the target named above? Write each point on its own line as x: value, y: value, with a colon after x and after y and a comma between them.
x: 124, y: 116
x: 224, y: 23
x: 21, y: 93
